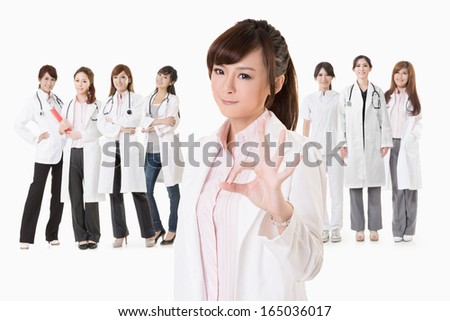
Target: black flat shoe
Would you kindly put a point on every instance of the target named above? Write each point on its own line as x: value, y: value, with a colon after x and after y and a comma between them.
x: 83, y: 246
x: 92, y: 245
x: 161, y: 234
x: 168, y: 242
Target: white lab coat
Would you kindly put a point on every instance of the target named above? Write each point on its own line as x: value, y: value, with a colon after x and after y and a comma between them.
x: 30, y: 124
x: 409, y: 174
x: 91, y: 153
x: 269, y: 266
x: 131, y: 151
x: 172, y: 170
x: 323, y: 111
x: 365, y: 166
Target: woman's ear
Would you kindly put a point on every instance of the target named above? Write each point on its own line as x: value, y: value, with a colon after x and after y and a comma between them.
x: 279, y: 81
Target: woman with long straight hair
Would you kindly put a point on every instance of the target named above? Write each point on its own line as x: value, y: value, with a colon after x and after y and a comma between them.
x: 405, y: 113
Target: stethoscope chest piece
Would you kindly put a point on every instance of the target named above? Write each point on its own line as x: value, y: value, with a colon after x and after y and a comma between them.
x: 129, y: 111
x: 349, y: 104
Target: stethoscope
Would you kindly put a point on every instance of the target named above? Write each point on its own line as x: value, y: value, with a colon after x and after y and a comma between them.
x: 150, y: 103
x: 58, y: 101
x: 408, y: 106
x: 376, y: 100
x: 111, y: 100
x: 68, y: 107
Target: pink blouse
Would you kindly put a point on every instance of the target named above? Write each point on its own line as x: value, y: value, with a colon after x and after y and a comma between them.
x: 217, y: 213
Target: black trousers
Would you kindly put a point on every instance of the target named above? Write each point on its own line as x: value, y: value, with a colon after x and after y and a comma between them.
x: 34, y: 201
x: 85, y: 216
x: 141, y: 204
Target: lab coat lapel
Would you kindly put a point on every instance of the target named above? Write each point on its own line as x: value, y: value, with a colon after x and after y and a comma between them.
x: 88, y: 114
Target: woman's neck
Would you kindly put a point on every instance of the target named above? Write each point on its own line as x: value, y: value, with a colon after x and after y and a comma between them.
x: 239, y: 124
x: 363, y: 84
x: 81, y: 98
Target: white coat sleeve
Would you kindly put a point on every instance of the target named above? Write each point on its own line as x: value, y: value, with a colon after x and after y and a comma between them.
x: 300, y: 247
x: 385, y: 123
x: 418, y: 126
x: 25, y: 116
x: 106, y: 128
x: 341, y: 133
x: 305, y: 109
x: 172, y: 111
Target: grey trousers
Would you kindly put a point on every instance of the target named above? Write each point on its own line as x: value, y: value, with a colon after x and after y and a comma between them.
x: 404, y: 201
x: 357, y: 218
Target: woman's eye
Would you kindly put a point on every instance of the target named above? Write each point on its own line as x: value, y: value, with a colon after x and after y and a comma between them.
x: 218, y: 71
x: 244, y: 76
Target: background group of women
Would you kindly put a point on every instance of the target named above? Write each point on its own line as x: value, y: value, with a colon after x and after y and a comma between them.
x: 378, y: 131
x: 68, y: 143
x: 379, y: 137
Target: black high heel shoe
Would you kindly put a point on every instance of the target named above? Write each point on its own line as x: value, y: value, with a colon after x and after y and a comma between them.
x: 161, y: 234
x: 168, y: 242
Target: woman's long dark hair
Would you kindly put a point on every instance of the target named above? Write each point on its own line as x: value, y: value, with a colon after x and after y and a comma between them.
x: 247, y: 36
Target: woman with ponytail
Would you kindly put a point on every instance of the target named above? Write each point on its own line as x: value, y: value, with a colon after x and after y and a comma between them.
x: 250, y: 218
x: 81, y: 163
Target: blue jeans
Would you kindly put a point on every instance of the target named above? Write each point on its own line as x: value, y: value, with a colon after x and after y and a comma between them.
x: 152, y: 169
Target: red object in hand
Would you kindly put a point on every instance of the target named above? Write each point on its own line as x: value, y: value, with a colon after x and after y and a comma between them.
x: 59, y: 118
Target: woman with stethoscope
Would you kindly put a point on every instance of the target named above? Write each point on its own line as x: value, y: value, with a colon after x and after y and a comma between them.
x: 404, y: 111
x: 49, y: 141
x: 366, y: 131
x: 82, y: 160
x: 320, y: 111
x: 122, y: 161
x: 159, y: 124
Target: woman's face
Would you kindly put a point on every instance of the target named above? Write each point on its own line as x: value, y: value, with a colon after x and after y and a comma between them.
x: 362, y: 69
x: 82, y: 83
x: 47, y: 83
x: 241, y: 89
x: 162, y: 81
x: 324, y: 80
x: 401, y: 78
x: 121, y: 82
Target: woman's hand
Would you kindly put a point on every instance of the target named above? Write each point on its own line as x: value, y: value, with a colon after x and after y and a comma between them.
x: 170, y: 121
x: 63, y: 126
x: 344, y: 152
x: 384, y: 151
x: 74, y: 135
x: 265, y: 189
x: 43, y: 136
x: 149, y: 129
x: 128, y: 130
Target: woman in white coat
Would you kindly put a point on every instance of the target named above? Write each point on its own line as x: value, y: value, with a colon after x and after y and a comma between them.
x: 404, y: 111
x: 81, y: 163
x: 366, y: 131
x: 321, y: 109
x: 162, y: 117
x: 122, y: 163
x: 49, y: 147
x: 251, y: 216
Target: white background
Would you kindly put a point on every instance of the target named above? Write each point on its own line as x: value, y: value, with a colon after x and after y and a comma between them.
x: 146, y: 35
